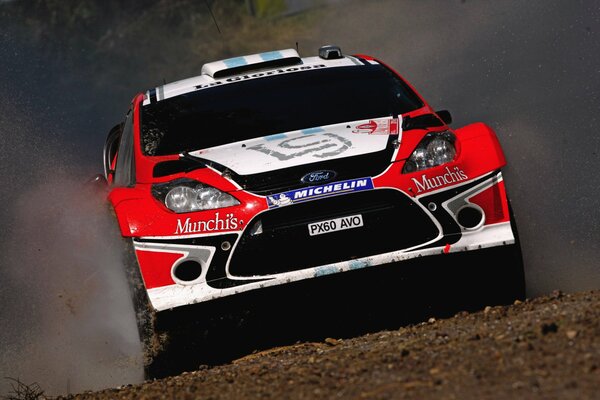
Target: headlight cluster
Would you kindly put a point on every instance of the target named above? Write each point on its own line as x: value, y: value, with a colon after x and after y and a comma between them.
x: 435, y: 149
x: 187, y: 195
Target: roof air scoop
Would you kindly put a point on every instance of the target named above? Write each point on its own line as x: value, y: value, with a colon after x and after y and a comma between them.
x: 330, y: 52
x: 253, y: 62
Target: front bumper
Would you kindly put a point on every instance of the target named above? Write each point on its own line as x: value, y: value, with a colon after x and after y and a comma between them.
x: 397, y: 227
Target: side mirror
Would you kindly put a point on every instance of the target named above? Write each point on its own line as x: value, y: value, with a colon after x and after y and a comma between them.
x: 445, y: 116
x: 111, y: 147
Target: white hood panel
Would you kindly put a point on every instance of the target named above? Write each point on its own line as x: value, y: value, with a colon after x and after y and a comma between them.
x: 305, y: 146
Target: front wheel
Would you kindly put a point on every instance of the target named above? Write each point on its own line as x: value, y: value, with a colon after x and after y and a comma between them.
x: 495, y: 276
x: 153, y: 341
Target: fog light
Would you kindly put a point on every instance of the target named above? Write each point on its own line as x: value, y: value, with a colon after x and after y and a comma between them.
x: 470, y: 216
x: 187, y: 271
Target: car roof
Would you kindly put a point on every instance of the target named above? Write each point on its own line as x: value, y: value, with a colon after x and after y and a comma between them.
x: 252, y: 66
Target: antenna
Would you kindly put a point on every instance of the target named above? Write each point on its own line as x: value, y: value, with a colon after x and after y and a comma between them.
x: 297, y: 48
x: 212, y: 15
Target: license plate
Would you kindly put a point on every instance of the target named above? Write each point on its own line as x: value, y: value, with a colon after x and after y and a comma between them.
x: 334, y: 225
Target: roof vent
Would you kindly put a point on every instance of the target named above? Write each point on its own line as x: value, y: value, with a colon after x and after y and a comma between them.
x: 240, y: 65
x: 330, y: 52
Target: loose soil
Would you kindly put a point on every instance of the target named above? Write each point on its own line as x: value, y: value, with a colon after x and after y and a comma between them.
x: 547, y: 347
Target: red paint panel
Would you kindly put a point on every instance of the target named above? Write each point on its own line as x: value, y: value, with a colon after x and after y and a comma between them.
x: 478, y: 152
x: 140, y: 214
x: 156, y: 267
x: 494, y: 204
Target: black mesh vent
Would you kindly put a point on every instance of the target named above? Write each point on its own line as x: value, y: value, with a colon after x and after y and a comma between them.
x: 392, y: 221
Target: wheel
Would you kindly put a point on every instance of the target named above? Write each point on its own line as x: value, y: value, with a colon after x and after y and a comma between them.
x: 516, y: 272
x: 496, y: 275
x: 178, y: 340
x: 153, y: 341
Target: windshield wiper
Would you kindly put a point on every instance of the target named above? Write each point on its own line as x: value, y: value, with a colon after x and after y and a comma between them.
x: 184, y: 155
x: 202, y: 162
x: 186, y: 163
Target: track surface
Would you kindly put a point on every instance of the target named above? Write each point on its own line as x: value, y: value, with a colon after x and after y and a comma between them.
x: 548, y: 347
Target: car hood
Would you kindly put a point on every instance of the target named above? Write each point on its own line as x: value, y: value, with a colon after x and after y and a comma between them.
x: 306, y: 146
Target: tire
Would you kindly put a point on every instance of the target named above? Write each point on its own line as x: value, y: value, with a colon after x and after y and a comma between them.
x: 153, y: 342
x: 495, y: 276
x: 172, y: 341
x: 516, y: 272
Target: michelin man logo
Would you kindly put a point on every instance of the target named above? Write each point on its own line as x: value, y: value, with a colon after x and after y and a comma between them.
x: 322, y: 145
x: 283, y: 200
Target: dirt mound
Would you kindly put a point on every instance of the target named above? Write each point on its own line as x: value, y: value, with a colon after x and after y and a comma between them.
x: 548, y: 347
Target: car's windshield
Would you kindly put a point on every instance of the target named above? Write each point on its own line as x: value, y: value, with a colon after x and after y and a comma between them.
x: 276, y: 104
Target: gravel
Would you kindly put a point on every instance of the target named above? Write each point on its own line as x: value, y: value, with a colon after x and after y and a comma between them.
x: 546, y: 347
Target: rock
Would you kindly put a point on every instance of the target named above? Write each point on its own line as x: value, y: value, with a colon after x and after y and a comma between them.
x: 549, y: 328
x: 557, y: 294
x: 571, y: 334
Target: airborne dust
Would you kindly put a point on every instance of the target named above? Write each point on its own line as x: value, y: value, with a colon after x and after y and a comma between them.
x: 66, y: 318
x: 527, y: 68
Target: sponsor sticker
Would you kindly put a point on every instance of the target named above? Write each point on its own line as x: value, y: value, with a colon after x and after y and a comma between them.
x: 382, y: 126
x: 317, y: 192
x: 451, y: 176
x: 258, y: 75
x: 227, y: 223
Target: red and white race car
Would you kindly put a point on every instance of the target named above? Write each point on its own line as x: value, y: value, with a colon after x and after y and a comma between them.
x: 271, y: 169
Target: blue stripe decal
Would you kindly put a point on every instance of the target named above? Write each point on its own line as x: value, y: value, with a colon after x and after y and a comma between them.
x: 271, y: 55
x: 312, y: 130
x: 235, y: 62
x: 325, y: 270
x: 275, y: 136
x: 356, y: 264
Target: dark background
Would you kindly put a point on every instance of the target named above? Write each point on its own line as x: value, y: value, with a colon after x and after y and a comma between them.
x: 68, y: 70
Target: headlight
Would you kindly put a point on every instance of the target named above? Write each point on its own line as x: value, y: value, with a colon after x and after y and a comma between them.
x: 435, y: 149
x: 187, y: 195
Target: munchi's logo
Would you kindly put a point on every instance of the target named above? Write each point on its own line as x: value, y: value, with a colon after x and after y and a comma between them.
x: 217, y: 224
x: 451, y: 176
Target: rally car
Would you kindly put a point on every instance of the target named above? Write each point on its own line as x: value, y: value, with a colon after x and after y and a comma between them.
x: 271, y: 169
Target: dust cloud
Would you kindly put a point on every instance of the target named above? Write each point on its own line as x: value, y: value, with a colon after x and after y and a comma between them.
x: 67, y: 321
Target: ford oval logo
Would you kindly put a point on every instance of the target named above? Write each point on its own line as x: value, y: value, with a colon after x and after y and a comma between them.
x: 319, y: 176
